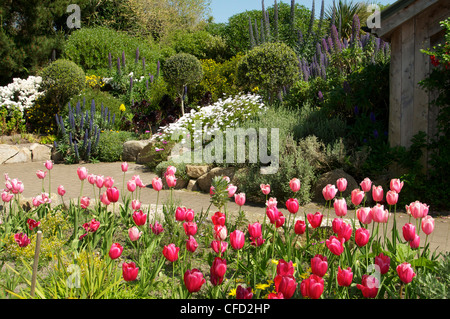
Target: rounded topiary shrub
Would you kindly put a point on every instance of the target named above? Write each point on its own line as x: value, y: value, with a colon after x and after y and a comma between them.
x: 61, y: 80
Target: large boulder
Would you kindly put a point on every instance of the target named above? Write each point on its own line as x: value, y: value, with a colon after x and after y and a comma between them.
x: 331, y: 178
x: 145, y: 155
x: 204, y: 181
x: 7, y: 152
x: 40, y: 153
x: 22, y: 156
x: 195, y: 171
x: 132, y: 149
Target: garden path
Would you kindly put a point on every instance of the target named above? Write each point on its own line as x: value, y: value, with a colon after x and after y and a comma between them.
x: 66, y: 175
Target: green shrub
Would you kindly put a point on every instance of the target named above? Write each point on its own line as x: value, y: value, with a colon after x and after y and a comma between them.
x: 88, y: 94
x: 41, y: 116
x: 61, y: 80
x: 11, y: 121
x: 110, y: 146
x: 161, y: 168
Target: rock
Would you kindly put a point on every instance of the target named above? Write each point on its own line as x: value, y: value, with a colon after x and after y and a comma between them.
x: 145, y: 155
x: 40, y: 153
x: 22, y: 156
x: 192, y: 186
x: 7, y: 152
x: 195, y: 171
x: 131, y: 150
x: 331, y: 178
x: 204, y: 181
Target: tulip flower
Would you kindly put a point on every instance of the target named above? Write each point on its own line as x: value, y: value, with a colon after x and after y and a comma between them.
x: 392, y: 197
x: 92, y: 226
x: 379, y: 214
x: 344, y: 277
x: 113, y: 194
x: 312, y: 287
x: 364, y: 215
x: 109, y: 182
x: 357, y: 196
x: 139, y: 218
x: 220, y: 232
x: 139, y: 183
x: 341, y: 184
x: 104, y: 199
x: 272, y: 202
x: 362, y: 237
x: 32, y: 224
x: 218, y: 219
x: 292, y: 205
x: 405, y: 272
x: 345, y: 232
x: 428, y: 225
x: 157, y: 228
x: 171, y: 252
x: 219, y: 246
x: 300, y: 227
x: 157, y: 184
x: 319, y: 265
x: 396, y: 185
x: 285, y: 268
x: 415, y: 243
x: 340, y: 207
x: 265, y: 189
x: 61, y: 190
x: 22, y: 240
x: 277, y: 295
x: 258, y: 241
x: 41, y: 174
x: 383, y: 262
x: 273, y: 214
x: 48, y: 164
x: 337, y: 224
x: 135, y: 204
x: 329, y: 192
x: 335, y: 245
x: 84, y: 202
x: 409, y: 232
x: 193, y: 280
x: 369, y: 286
x: 171, y: 180
x: 92, y: 179
x: 171, y: 170
x: 6, y: 197
x: 417, y: 209
x: 191, y: 244
x: 254, y: 230
x: 14, y: 186
x: 189, y: 215
x: 134, y: 233
x: 131, y: 186
x: 124, y: 167
x: 218, y: 267
x: 82, y: 173
x: 377, y: 193
x: 190, y: 228
x: 244, y: 293
x: 315, y: 219
x: 237, y: 239
x: 129, y: 271
x: 231, y: 189
x: 239, y: 199
x: 286, y: 285
x: 366, y: 185
x: 180, y: 214
x: 100, y: 181
x: 115, y: 251
x: 294, y: 184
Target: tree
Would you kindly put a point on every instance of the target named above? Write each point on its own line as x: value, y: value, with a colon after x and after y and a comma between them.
x: 270, y: 66
x: 181, y: 70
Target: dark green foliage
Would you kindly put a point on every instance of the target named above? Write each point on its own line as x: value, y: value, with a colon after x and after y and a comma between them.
x: 110, y: 145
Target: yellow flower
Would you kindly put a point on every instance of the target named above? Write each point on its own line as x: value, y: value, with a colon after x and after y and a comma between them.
x: 122, y: 108
x: 232, y: 292
x: 262, y: 286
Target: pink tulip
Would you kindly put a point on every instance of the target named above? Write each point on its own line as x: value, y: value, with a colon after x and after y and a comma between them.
x: 22, y: 239
x: 171, y: 252
x: 379, y: 214
x: 335, y: 245
x: 41, y: 174
x: 109, y: 182
x: 337, y: 224
x: 300, y: 227
x: 364, y: 215
x: 272, y: 202
x: 315, y: 219
x: 396, y: 185
x: 417, y: 209
x: 254, y: 230
x: 357, y: 196
x: 131, y: 186
x: 218, y: 245
x: 48, y: 164
x: 405, y: 272
x: 362, y: 237
x: 256, y: 242
x: 135, y: 204
x: 82, y: 173
x: 113, y: 194
x: 32, y: 224
x: 171, y: 170
x: 171, y: 180
x: 218, y: 218
x: 193, y: 280
x: 134, y: 233
x: 319, y: 265
x: 15, y: 186
x: 92, y: 179
x: 415, y: 243
x: 366, y: 185
x: 237, y: 239
x: 157, y: 184
x: 61, y: 190
x: 191, y: 244
x: 409, y: 232
x: 220, y: 232
x: 292, y: 205
x: 344, y: 277
x: 92, y: 226
x: 341, y: 184
x: 383, y: 262
x: 340, y: 207
x: 218, y: 269
x: 345, y: 232
x: 100, y: 181
x: 329, y: 192
x: 180, y: 214
x: 231, y: 189
x: 428, y: 224
x: 377, y: 193
x: 139, y: 218
x: 294, y: 184
x: 369, y: 286
x: 6, y: 197
x: 139, y: 183
x: 265, y: 189
x: 392, y: 197
x: 115, y: 251
x: 104, y: 199
x: 84, y: 202
x: 157, y: 228
x: 190, y: 228
x: 129, y: 271
x: 285, y: 268
x: 239, y: 199
x: 124, y: 167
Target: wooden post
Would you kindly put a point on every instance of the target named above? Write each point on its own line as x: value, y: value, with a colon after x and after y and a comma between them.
x: 36, y: 261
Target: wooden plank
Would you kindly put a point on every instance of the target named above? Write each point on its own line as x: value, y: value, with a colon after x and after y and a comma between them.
x: 407, y: 89
x: 435, y: 14
x: 395, y: 85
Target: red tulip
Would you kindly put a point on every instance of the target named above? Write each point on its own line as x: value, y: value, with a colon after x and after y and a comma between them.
x: 277, y: 295
x: 193, y: 280
x: 383, y: 262
x: 364, y: 215
x: 377, y: 193
x: 362, y: 237
x: 357, y: 196
x: 428, y: 224
x: 319, y: 265
x: 409, y: 232
x: 345, y: 232
x: 255, y: 230
x: 219, y: 267
x: 405, y: 272
x: 396, y: 185
x: 139, y: 218
x: 82, y: 173
x: 244, y: 293
x: 340, y: 207
x: 180, y: 214
x: 315, y: 219
x: 113, y: 194
x: 344, y: 277
x: 171, y: 252
x: 157, y: 228
x: 189, y: 216
x: 294, y: 184
x: 300, y: 227
x: 21, y: 239
x: 218, y: 219
x: 285, y: 285
x: 265, y: 189
x: 292, y: 205
x: 258, y: 241
x: 285, y: 268
x: 237, y: 239
x: 369, y: 286
x: 312, y: 287
x: 335, y: 245
x: 415, y: 243
x: 366, y: 185
x: 329, y: 192
x: 239, y: 199
x: 341, y: 184
x: 191, y: 244
x: 337, y: 224
x: 32, y: 224
x: 115, y: 251
x: 392, y: 197
x: 219, y: 246
x: 129, y: 271
x: 190, y: 228
x: 157, y: 184
x: 92, y: 226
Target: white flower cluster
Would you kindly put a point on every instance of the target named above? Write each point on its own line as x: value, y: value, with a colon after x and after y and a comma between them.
x: 214, y: 118
x: 21, y: 93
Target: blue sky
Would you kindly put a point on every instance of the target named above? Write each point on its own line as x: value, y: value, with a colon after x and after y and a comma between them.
x: 221, y: 10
